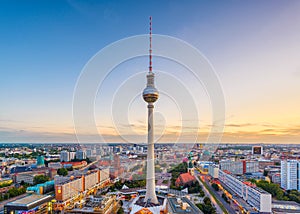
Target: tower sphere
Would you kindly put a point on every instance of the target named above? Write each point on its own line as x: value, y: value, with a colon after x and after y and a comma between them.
x: 150, y: 93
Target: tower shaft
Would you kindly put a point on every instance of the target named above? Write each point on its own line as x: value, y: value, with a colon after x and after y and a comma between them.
x: 150, y: 182
x: 150, y: 95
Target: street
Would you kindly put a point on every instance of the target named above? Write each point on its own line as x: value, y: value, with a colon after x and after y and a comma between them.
x: 213, y: 201
x: 219, y: 197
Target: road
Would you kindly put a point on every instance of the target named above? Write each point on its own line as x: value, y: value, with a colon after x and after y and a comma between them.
x: 218, y: 208
x: 225, y: 204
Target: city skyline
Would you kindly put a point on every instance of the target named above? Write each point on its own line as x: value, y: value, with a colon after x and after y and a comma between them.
x: 252, y: 45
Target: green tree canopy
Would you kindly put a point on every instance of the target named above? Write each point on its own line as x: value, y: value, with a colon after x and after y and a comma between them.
x: 62, y: 171
x: 39, y: 179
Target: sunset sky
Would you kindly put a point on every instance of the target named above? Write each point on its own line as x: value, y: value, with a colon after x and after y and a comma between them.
x: 253, y: 46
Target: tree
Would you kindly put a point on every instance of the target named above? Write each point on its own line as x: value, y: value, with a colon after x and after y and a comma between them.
x: 158, y: 169
x: 207, y: 207
x: 177, y: 170
x: 70, y: 168
x: 163, y: 165
x: 194, y: 188
x: 215, y: 186
x: 120, y: 211
x: 62, y: 171
x: 39, y: 179
x: 252, y: 180
x: 225, y: 198
x: 206, y: 201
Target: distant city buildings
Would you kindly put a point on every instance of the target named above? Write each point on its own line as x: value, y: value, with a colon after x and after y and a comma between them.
x: 239, y: 167
x: 66, y: 156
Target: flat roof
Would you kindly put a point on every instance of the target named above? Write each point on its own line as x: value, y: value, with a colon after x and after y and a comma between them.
x: 30, y: 201
x: 176, y: 208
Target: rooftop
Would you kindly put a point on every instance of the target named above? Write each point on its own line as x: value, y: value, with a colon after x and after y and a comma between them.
x: 177, y: 208
x: 186, y: 177
x: 141, y: 202
x: 31, y: 200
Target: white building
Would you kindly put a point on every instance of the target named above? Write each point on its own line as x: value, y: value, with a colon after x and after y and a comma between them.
x: 72, y: 155
x: 256, y: 197
x: 290, y: 174
x: 213, y: 170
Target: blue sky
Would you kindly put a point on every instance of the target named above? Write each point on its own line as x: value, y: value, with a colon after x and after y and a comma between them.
x: 253, y: 46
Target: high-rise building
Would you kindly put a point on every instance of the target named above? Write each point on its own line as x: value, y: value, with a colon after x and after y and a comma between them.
x: 89, y: 153
x: 116, y: 161
x: 72, y: 155
x: 213, y: 170
x: 64, y: 156
x: 290, y: 174
x: 80, y: 155
x: 150, y: 95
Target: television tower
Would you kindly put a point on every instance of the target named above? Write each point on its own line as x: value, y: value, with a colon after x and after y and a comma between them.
x: 150, y: 95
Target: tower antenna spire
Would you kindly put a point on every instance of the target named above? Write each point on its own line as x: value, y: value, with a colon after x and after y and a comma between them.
x: 150, y: 46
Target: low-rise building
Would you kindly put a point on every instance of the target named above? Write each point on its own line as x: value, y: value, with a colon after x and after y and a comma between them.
x: 182, y: 206
x: 27, y: 177
x: 75, y: 165
x: 276, y: 178
x: 239, y: 167
x: 30, y: 204
x: 98, y: 205
x: 55, y: 165
x: 185, y: 179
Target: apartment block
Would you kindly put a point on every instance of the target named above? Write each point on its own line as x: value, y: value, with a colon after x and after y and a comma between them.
x: 256, y: 197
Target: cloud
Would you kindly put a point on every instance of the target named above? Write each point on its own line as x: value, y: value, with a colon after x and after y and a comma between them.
x: 264, y: 132
x: 296, y: 73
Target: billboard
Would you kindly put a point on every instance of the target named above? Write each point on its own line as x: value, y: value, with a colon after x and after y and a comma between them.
x: 257, y: 150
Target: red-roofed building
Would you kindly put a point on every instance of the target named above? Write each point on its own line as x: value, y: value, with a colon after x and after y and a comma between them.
x: 185, y: 179
x: 249, y: 184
